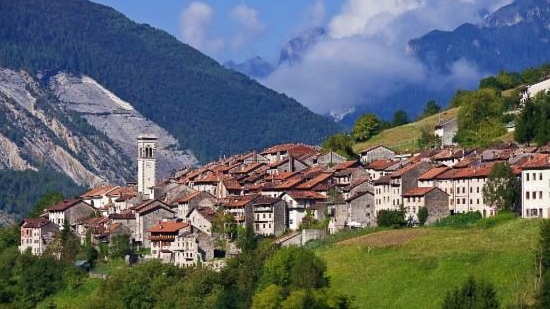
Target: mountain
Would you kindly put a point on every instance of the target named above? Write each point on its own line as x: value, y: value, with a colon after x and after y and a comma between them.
x: 293, y: 51
x: 513, y: 38
x: 206, y: 107
x: 75, y: 126
x: 255, y: 67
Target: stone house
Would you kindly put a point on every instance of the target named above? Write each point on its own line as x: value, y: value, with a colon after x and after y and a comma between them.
x: 298, y: 202
x: 147, y: 214
x: 269, y: 216
x: 200, y: 219
x: 98, y: 197
x: 468, y: 190
x: 240, y: 207
x: 229, y: 186
x: 405, y: 179
x: 71, y: 210
x: 380, y: 168
x: 376, y: 153
x: 383, y: 194
x: 36, y: 234
x: 360, y: 208
x: 289, y: 164
x: 191, y: 200
x: 434, y: 199
x: 446, y: 131
x: 328, y: 158
x: 207, y: 183
x: 126, y: 218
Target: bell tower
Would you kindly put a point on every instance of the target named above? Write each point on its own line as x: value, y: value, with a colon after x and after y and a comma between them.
x: 146, y: 164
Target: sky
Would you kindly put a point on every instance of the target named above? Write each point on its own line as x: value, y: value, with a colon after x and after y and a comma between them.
x: 363, y: 57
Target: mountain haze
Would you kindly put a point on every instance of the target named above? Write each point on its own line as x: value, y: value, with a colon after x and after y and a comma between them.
x: 207, y: 108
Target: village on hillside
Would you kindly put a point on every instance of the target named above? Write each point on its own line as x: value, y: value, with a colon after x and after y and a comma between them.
x: 280, y: 192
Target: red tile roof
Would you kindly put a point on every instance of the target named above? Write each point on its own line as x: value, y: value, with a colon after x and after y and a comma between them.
x: 168, y: 227
x: 34, y: 223
x: 405, y: 169
x: 372, y: 148
x: 537, y: 161
x: 238, y: 201
x: 380, y: 165
x: 99, y: 191
x: 66, y: 204
x: 434, y: 172
x: 315, y: 181
x: 305, y: 195
x: 188, y: 196
x: 150, y: 205
x: 418, y: 191
x: 232, y: 184
x: 346, y: 165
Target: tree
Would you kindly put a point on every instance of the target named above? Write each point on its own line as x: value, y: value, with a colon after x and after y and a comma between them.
x: 365, y: 127
x: 49, y: 199
x: 422, y: 215
x: 479, y: 118
x: 340, y: 143
x: 472, y: 295
x: 431, y: 108
x: 527, y: 123
x: 400, y: 118
x: 502, y: 189
x: 119, y: 246
x: 427, y: 139
x: 391, y: 218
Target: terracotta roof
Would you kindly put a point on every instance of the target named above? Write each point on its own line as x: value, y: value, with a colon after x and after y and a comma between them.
x: 249, y: 168
x: 313, y: 171
x: 473, y: 172
x: 282, y: 175
x: 211, y: 178
x: 380, y: 165
x: 125, y: 215
x: 122, y: 191
x: 66, y: 204
x: 346, y: 165
x: 405, y: 169
x: 278, y: 163
x: 188, y: 197
x: 289, y: 183
x: 168, y: 227
x: 232, y: 184
x: 238, y: 201
x: 303, y: 195
x: 34, y: 223
x: 418, y: 191
x: 323, y: 187
x: 434, y: 172
x: 537, y: 161
x: 315, y: 181
x: 99, y: 191
x: 149, y: 205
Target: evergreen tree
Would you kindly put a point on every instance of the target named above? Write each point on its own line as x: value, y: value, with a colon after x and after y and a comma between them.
x: 472, y: 295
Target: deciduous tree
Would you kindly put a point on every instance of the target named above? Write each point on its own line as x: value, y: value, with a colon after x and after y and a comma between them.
x: 502, y: 189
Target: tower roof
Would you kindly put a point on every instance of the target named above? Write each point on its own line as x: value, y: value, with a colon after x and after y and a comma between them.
x: 147, y: 137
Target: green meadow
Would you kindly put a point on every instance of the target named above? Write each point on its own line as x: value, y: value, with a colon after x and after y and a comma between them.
x: 415, y: 267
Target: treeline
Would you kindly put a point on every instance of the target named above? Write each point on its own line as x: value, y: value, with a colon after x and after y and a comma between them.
x: 210, y: 109
x: 262, y: 276
x: 20, y: 190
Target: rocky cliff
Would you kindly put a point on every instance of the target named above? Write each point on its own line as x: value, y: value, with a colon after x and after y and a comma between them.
x: 76, y: 126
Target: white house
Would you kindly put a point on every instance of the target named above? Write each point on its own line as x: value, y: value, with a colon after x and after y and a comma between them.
x: 297, y: 203
x: 535, y: 187
x: 36, y: 234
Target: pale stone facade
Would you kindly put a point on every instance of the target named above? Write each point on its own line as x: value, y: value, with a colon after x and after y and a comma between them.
x: 146, y: 165
x: 36, y: 234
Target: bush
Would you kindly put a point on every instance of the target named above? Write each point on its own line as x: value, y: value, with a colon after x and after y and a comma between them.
x: 460, y: 220
x: 391, y: 218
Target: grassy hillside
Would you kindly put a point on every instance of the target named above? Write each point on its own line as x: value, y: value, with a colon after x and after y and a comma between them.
x: 414, y: 268
x: 403, y: 138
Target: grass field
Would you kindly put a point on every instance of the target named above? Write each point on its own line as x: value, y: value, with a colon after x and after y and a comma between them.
x: 403, y: 138
x: 414, y: 268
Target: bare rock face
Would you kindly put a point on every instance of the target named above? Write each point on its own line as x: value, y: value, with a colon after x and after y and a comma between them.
x: 76, y: 127
x: 118, y: 120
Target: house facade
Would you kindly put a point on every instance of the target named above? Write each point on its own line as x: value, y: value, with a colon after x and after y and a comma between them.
x: 36, y: 234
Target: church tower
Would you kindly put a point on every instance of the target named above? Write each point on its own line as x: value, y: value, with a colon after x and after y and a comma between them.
x: 146, y: 164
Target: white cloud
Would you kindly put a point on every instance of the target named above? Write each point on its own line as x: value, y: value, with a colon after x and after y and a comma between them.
x: 364, y: 59
x: 195, y: 23
x: 248, y: 25
x: 314, y: 15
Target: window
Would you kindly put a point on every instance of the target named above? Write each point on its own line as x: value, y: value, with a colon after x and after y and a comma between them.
x: 463, y: 201
x: 527, y: 177
x: 540, y: 176
x: 477, y: 201
x: 471, y: 202
x: 534, y: 176
x: 540, y: 194
x: 527, y: 194
x: 458, y: 201
x: 471, y: 190
x: 463, y: 189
